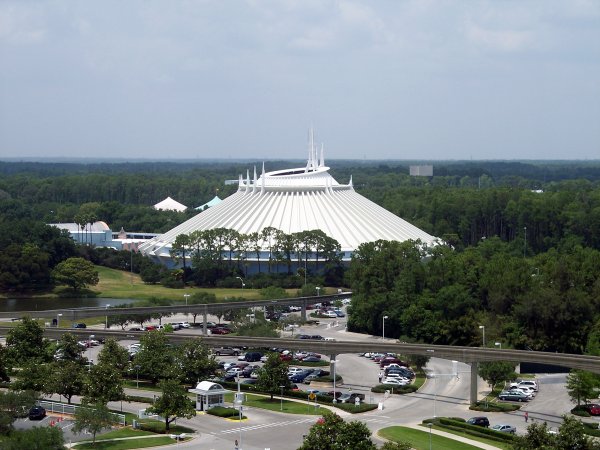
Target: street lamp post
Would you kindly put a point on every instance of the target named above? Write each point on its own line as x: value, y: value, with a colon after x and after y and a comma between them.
x: 430, y: 425
x: 383, y: 328
x: 58, y: 319
x: 498, y: 344
x: 482, y: 328
x: 281, y: 398
x: 318, y: 291
x: 90, y: 346
x: 434, y: 376
x: 106, y: 323
x: 334, y: 362
x: 238, y: 402
x: 186, y: 296
x: 242, y: 280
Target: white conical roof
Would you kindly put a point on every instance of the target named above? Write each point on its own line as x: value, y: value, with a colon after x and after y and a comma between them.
x: 295, y: 200
x: 168, y: 204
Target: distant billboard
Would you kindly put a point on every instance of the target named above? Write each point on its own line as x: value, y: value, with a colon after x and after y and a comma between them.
x: 421, y: 171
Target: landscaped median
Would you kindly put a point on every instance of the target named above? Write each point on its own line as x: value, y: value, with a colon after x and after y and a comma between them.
x: 422, y: 440
x: 126, y: 438
x: 461, y: 428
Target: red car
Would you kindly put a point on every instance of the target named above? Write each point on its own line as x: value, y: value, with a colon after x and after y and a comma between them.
x: 218, y: 330
x: 593, y: 409
x: 286, y: 357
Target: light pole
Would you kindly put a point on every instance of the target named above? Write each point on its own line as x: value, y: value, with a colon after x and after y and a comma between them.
x: 334, y: 362
x: 498, y: 344
x: 430, y: 425
x: 106, y: 323
x: 482, y: 328
x: 383, y: 328
x: 242, y: 280
x: 318, y: 291
x: 186, y: 296
x: 238, y: 402
x: 58, y: 319
x: 281, y: 386
x: 137, y: 377
x: 90, y: 347
x: 434, y: 376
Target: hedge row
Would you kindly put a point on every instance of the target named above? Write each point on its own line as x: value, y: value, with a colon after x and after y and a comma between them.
x: 400, y: 390
x: 221, y: 411
x: 160, y: 428
x: 494, y: 407
x: 138, y: 398
x: 580, y: 411
x: 473, y: 430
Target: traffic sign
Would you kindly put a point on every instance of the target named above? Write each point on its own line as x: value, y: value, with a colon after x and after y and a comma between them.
x: 312, y: 396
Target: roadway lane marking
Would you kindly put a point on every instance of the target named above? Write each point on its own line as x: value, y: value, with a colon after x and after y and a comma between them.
x: 265, y: 425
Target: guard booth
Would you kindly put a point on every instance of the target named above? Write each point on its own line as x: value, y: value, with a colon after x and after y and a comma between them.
x: 208, y: 395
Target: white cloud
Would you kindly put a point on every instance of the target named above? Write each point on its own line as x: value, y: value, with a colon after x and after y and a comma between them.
x: 21, y: 24
x: 502, y: 40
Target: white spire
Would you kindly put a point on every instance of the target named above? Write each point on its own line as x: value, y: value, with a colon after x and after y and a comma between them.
x: 322, y: 161
x: 247, y: 180
x: 262, y: 178
x: 254, y: 183
x: 350, y: 184
x: 240, y: 182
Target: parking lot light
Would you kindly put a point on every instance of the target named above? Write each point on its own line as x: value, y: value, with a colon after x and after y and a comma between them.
x: 58, y: 316
x: 482, y: 328
x: 383, y: 328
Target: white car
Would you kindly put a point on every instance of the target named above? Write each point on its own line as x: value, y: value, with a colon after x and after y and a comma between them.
x: 397, y: 376
x: 528, y: 383
x: 395, y: 381
x: 294, y: 370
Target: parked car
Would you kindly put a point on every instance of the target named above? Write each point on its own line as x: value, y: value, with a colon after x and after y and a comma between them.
x: 350, y: 398
x: 294, y: 370
x: 252, y: 356
x: 79, y: 325
x: 311, y: 359
x: 299, y: 377
x: 396, y: 381
x: 480, y: 421
x: 529, y: 383
x: 135, y: 329
x: 529, y: 393
x: 37, y: 413
x: 227, y: 351
x: 504, y: 428
x: 285, y: 357
x: 220, y: 330
x: 514, y: 396
x: 593, y: 409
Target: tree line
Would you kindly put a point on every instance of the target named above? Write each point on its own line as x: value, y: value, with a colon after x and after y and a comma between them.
x: 546, y: 302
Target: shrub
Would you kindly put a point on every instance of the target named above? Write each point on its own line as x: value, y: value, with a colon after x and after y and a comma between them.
x: 580, y: 411
x: 494, y: 407
x: 155, y: 426
x: 400, y: 390
x: 473, y: 430
x: 222, y: 411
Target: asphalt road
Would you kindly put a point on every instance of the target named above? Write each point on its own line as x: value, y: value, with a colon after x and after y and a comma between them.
x: 447, y: 394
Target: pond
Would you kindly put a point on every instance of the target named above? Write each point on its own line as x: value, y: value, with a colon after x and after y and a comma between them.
x: 42, y: 304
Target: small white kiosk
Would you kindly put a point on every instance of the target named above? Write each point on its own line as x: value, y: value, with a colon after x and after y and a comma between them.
x: 209, y: 394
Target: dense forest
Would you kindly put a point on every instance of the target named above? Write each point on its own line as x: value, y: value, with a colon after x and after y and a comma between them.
x: 522, y: 253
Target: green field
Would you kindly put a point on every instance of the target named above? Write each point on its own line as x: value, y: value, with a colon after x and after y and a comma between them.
x: 118, y: 284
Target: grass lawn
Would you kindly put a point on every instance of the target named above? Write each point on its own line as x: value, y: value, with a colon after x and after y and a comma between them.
x: 419, y: 440
x: 503, y: 445
x: 131, y: 443
x: 119, y: 284
x: 123, y: 433
x: 289, y: 407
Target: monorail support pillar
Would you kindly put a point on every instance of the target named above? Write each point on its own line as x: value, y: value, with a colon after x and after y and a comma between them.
x: 474, y: 375
x: 205, y: 324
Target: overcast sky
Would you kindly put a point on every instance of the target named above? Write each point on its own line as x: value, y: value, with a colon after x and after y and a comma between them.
x: 246, y: 79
